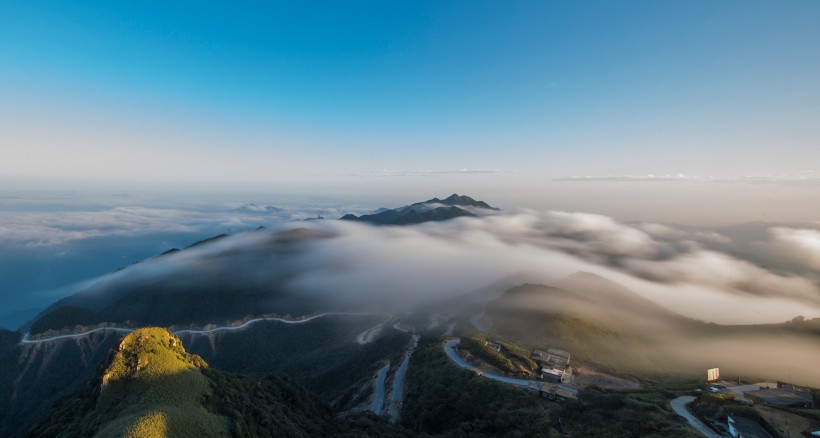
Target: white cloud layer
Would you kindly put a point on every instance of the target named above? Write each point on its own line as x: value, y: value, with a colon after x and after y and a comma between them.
x: 810, y: 176
x: 768, y: 272
x: 434, y: 172
x: 801, y: 246
x: 49, y: 224
x: 403, y: 267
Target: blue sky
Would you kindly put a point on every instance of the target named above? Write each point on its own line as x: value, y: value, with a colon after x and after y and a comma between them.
x: 409, y: 99
x: 691, y: 112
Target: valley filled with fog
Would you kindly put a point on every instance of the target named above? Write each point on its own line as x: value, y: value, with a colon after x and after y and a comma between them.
x: 747, y: 273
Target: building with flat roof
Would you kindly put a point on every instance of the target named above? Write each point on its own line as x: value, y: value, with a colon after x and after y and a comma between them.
x: 780, y: 397
x: 551, y: 374
x: 557, y: 352
x: 552, y: 358
x: 740, y: 427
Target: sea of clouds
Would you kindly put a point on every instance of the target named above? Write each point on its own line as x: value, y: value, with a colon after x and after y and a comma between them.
x: 746, y: 274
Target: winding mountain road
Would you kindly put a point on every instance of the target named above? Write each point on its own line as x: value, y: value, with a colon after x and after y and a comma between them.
x: 397, y: 394
x: 379, y: 390
x: 450, y: 350
x: 27, y: 340
x: 679, y: 406
x: 369, y: 335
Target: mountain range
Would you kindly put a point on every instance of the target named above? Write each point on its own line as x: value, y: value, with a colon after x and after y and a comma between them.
x: 228, y: 290
x: 259, y: 209
x: 213, y: 339
x: 107, y: 383
x: 431, y: 210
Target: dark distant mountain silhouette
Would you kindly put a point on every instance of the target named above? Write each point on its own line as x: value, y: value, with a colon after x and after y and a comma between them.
x: 431, y: 210
x: 208, y: 240
x: 462, y: 201
x: 258, y: 209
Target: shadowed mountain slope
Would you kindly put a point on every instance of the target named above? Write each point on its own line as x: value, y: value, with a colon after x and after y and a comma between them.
x: 603, y: 323
x: 215, y: 281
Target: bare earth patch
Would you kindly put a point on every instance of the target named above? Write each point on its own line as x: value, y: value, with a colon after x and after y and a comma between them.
x: 785, y: 423
x: 587, y: 375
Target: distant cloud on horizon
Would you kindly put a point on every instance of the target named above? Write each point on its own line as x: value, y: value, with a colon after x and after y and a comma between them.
x: 647, y: 177
x: 799, y: 177
x: 810, y: 176
x: 430, y: 172
x: 36, y: 224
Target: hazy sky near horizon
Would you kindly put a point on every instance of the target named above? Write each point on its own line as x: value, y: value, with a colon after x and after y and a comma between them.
x: 670, y: 111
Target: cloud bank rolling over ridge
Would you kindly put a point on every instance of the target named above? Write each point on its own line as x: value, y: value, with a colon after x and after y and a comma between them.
x: 699, y: 273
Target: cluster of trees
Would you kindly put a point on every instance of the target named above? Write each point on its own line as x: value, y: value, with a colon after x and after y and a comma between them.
x: 267, y: 405
x: 444, y: 400
x: 320, y: 355
x: 638, y: 414
x: 713, y: 405
x: 276, y: 405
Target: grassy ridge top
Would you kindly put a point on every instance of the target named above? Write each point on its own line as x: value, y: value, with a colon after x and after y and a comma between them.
x: 150, y: 353
x: 155, y: 388
x: 151, y: 387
